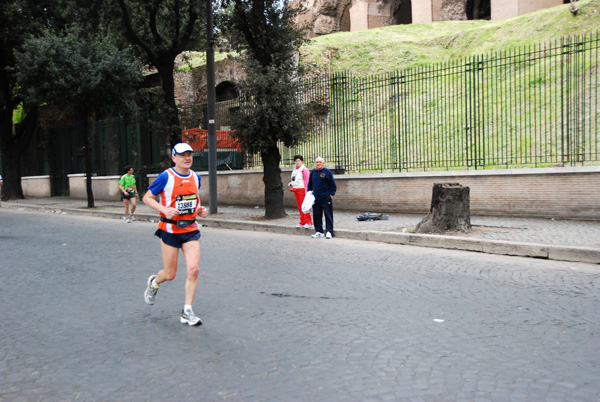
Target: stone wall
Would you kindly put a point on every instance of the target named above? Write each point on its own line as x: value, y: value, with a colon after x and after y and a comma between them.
x: 569, y: 193
x: 36, y: 186
x: 502, y: 9
x: 552, y: 193
x: 190, y: 85
x: 545, y: 192
x: 104, y: 187
x: 451, y: 10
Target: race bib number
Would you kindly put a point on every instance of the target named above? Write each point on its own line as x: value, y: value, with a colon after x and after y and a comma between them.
x: 186, y: 204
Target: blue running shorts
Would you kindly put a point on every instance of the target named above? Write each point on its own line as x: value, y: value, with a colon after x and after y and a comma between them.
x: 177, y: 239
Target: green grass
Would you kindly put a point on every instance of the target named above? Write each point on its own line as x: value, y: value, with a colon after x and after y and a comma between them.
x: 371, y: 124
x: 376, y: 51
x: 514, y: 113
x: 192, y: 60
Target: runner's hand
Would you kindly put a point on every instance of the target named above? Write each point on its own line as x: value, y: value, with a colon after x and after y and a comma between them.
x: 170, y: 213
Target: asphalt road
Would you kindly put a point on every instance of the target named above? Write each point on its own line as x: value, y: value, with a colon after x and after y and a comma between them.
x: 286, y: 318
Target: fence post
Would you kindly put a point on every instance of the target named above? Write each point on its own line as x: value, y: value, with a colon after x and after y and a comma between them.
x: 570, y: 140
x: 474, y: 139
x: 564, y: 111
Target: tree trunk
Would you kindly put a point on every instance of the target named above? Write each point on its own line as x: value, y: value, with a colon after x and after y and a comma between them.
x: 165, y: 70
x: 13, y: 146
x: 11, y: 175
x: 450, y: 210
x: 89, y: 129
x: 273, y: 186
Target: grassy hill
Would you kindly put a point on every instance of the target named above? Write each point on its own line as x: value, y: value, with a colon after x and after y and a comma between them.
x: 509, y: 114
x: 396, y: 47
x: 381, y: 50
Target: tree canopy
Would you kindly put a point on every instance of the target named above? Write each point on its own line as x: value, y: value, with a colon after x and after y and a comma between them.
x: 266, y: 32
x: 82, y: 73
x: 87, y: 73
x: 161, y: 30
x: 22, y: 20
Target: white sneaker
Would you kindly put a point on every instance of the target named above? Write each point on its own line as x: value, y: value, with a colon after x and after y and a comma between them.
x: 128, y: 220
x: 132, y: 217
x: 188, y: 317
x: 328, y: 235
x: 299, y: 226
x: 317, y: 235
x: 308, y: 226
x: 151, y: 291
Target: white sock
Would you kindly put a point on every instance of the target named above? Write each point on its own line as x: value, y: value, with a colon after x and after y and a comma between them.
x: 154, y: 284
x: 187, y: 307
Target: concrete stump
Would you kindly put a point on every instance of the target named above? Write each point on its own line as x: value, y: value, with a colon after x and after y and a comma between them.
x: 450, y: 210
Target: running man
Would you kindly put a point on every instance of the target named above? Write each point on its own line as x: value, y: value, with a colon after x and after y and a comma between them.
x: 128, y: 193
x: 178, y: 189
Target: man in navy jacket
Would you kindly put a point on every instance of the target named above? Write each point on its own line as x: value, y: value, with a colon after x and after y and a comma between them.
x: 322, y: 184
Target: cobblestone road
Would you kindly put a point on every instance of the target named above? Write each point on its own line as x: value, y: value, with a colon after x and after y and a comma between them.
x: 286, y: 318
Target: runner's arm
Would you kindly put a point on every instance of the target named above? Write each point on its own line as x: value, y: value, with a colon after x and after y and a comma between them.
x: 152, y: 202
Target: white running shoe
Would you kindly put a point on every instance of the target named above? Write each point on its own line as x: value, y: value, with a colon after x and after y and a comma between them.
x: 308, y: 226
x: 151, y: 291
x: 317, y: 235
x: 132, y: 217
x: 328, y: 235
x: 188, y: 317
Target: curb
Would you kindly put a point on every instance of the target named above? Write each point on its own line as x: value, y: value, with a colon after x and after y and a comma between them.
x: 550, y: 252
x: 533, y: 250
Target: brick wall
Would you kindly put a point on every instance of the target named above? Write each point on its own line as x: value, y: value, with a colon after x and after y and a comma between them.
x: 551, y: 193
x: 502, y: 9
x: 570, y: 193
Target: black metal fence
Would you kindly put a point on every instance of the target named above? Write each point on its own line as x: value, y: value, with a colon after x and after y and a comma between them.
x: 116, y: 143
x: 530, y: 107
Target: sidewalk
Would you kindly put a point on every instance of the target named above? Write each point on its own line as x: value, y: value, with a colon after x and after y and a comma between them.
x: 565, y: 240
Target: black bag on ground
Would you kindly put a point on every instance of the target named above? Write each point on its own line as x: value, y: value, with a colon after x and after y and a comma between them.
x: 372, y: 216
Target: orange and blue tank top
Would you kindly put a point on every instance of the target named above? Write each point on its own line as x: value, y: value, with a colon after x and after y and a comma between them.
x: 177, y: 191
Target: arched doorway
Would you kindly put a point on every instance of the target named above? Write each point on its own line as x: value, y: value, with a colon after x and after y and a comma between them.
x: 345, y: 24
x: 226, y: 90
x: 402, y: 13
x: 479, y: 9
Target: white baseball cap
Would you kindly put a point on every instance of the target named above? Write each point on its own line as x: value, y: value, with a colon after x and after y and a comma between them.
x: 181, y: 148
